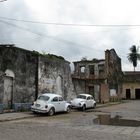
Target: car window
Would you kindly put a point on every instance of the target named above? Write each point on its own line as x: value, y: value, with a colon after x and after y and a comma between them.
x: 44, y: 98
x: 88, y: 98
x: 81, y: 96
x: 91, y: 98
x: 55, y: 99
x: 60, y: 99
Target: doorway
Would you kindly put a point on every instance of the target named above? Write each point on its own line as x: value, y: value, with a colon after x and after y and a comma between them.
x: 128, y: 94
x: 137, y: 93
x: 91, y: 90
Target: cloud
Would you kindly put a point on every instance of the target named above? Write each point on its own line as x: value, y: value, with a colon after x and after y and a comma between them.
x: 72, y: 42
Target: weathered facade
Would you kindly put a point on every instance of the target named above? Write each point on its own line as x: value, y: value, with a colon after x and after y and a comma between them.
x: 131, y: 85
x: 25, y: 74
x: 101, y: 78
x: 54, y: 75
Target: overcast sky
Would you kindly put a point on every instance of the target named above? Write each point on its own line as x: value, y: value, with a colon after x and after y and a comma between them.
x: 72, y: 42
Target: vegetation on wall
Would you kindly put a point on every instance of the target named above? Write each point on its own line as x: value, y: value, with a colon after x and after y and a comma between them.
x: 52, y: 56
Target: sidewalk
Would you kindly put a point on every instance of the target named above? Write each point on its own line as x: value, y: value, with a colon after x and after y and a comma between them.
x: 22, y: 115
x: 15, y: 116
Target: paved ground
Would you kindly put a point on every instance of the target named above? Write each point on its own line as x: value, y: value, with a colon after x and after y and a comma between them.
x: 21, y: 115
x: 74, y: 126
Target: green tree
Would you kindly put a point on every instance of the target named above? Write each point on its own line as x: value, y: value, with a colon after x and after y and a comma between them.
x: 134, y: 56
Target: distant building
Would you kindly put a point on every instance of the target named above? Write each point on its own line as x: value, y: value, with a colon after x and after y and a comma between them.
x: 102, y: 78
x: 131, y: 85
x: 26, y: 74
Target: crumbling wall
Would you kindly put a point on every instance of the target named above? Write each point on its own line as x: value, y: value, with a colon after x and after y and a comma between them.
x: 113, y: 70
x: 79, y: 86
x: 23, y: 64
x: 88, y: 75
x: 1, y: 86
x: 55, y: 76
x: 104, y: 93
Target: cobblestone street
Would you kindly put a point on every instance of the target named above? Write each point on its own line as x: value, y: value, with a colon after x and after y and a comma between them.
x: 74, y: 126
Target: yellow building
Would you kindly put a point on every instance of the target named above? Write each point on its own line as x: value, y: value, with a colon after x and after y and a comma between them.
x: 131, y: 85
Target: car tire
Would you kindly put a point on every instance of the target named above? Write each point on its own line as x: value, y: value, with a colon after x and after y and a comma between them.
x: 51, y: 111
x: 94, y: 105
x: 83, y: 107
x: 34, y: 112
x: 68, y: 109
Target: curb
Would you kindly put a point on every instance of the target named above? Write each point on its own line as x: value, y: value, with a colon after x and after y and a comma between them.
x: 8, y: 118
x: 108, y: 104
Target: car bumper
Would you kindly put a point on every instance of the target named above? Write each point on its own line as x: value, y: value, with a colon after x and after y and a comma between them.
x: 76, y: 106
x: 39, y: 110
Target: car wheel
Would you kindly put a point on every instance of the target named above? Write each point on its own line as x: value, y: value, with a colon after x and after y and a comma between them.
x: 34, y: 112
x: 83, y: 107
x: 94, y: 105
x: 68, y: 109
x: 51, y: 112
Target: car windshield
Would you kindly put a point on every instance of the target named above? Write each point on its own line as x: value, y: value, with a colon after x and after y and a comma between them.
x: 44, y: 98
x: 81, y: 96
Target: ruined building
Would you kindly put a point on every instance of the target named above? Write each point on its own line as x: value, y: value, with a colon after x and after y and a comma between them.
x: 26, y: 74
x: 101, y: 78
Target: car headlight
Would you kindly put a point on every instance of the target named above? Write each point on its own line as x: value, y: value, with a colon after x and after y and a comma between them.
x: 79, y: 103
x: 33, y: 103
x: 46, y: 106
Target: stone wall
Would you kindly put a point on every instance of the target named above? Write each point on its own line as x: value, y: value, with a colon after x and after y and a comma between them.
x: 79, y: 86
x: 55, y: 76
x: 22, y: 64
x: 88, y: 76
x: 25, y: 74
x: 113, y: 69
x: 104, y: 94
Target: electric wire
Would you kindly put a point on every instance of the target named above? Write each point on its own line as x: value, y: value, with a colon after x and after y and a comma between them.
x: 52, y: 37
x: 72, y: 24
x: 42, y: 35
x: 120, y: 27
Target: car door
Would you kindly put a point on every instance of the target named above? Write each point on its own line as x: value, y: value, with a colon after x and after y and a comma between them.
x: 61, y: 104
x: 92, y: 101
x: 89, y: 102
x: 55, y: 102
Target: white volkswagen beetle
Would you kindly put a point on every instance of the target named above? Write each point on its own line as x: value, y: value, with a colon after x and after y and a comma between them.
x: 50, y: 103
x: 83, y: 101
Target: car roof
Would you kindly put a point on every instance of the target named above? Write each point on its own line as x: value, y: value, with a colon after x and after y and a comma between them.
x: 85, y: 94
x: 51, y: 95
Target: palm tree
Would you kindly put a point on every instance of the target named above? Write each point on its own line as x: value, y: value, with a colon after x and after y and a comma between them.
x: 134, y: 56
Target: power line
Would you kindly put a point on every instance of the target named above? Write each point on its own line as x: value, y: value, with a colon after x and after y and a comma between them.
x: 36, y: 22
x: 39, y: 34
x: 131, y: 27
x: 71, y: 24
x: 51, y: 37
x: 43, y: 35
